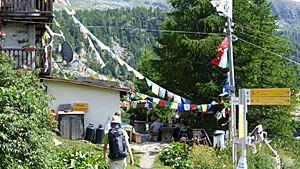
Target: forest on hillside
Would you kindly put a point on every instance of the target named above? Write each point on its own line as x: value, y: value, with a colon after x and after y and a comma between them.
x: 127, y: 31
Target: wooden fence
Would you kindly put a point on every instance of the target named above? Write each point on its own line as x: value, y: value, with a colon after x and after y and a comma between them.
x: 26, y: 6
x: 31, y: 58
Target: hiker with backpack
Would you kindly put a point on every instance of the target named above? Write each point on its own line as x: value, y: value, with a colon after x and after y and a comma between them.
x: 119, y: 147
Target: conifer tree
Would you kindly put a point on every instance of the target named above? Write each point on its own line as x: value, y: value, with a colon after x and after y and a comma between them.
x: 184, y: 66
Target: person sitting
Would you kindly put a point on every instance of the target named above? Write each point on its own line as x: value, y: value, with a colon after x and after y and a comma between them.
x: 176, y: 132
x: 154, y: 129
x: 182, y: 132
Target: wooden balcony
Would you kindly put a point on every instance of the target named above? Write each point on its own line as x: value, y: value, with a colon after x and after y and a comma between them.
x: 26, y: 9
x: 31, y: 58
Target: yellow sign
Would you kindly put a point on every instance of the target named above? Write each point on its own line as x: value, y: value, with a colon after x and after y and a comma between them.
x: 270, y: 92
x: 80, y: 107
x: 270, y: 100
x: 241, y: 121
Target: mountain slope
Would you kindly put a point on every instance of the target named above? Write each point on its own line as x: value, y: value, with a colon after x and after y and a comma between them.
x: 126, y: 31
x: 109, y: 4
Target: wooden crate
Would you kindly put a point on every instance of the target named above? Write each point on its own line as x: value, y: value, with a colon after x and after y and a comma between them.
x: 137, y: 137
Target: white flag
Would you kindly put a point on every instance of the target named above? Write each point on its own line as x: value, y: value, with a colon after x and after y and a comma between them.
x: 223, y: 7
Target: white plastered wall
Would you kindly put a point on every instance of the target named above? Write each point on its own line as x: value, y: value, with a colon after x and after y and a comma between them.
x: 102, y: 103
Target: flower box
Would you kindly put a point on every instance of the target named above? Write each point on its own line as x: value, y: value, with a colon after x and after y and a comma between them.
x: 28, y: 49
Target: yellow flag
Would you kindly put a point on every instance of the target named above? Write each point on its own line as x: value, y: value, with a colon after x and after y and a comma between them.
x: 121, y: 62
x: 144, y: 96
x: 174, y: 106
x: 134, y: 105
x: 204, y: 107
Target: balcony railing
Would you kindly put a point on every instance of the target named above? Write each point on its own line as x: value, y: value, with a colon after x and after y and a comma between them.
x: 33, y: 7
x: 32, y: 58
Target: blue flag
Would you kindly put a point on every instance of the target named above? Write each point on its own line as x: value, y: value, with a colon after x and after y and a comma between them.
x: 225, y: 91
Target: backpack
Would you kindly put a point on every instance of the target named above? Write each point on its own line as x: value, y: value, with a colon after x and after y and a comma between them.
x: 117, y: 144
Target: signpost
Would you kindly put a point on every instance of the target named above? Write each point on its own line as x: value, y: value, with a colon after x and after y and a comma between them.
x: 270, y: 100
x: 257, y: 97
x: 80, y: 107
x: 270, y: 92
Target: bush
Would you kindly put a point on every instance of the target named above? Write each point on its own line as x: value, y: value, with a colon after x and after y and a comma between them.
x: 175, y: 156
x: 208, y: 157
x: 25, y: 121
x: 80, y: 159
x: 289, y: 151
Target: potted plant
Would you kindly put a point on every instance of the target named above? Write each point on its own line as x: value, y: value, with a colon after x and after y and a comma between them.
x: 2, y: 35
x: 29, y: 48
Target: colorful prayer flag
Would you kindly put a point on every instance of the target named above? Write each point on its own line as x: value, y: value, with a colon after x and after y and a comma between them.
x: 177, y: 99
x: 138, y: 74
x: 168, y: 104
x: 63, y: 3
x: 218, y: 116
x: 112, y: 54
x: 99, y: 59
x: 170, y: 95
x: 162, y: 92
x: 204, y: 107
x: 180, y: 107
x: 91, y: 44
x: 129, y: 68
x: 208, y: 106
x: 186, y: 101
x: 150, y: 105
x: 193, y: 106
x: 144, y: 96
x: 156, y: 100
x: 174, y: 106
x: 123, y: 104
x: 227, y: 83
x: 121, y: 62
x: 162, y: 103
x: 155, y: 89
x: 149, y: 82
x: 187, y: 107
x: 199, y: 108
x: 138, y: 94
x: 134, y: 105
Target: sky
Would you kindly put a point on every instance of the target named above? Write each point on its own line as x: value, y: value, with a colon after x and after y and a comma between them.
x: 297, y: 0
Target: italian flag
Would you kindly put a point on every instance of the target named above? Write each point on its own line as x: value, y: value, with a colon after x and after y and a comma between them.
x: 222, y: 59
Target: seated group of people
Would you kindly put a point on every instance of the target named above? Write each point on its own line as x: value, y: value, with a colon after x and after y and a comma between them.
x: 178, y: 133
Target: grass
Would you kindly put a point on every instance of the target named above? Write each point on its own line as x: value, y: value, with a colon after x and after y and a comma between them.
x: 136, y: 158
x: 158, y: 165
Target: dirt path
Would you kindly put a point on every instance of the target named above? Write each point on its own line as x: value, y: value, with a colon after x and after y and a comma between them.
x: 148, y: 151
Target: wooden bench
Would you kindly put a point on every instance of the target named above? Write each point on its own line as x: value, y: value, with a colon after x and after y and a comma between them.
x: 137, y: 137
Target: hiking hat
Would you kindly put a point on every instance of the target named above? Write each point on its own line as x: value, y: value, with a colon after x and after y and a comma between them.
x: 116, y: 119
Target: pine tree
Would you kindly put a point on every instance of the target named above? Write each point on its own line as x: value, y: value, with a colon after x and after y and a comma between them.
x: 184, y: 67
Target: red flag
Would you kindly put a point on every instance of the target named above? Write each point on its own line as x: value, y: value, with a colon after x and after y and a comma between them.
x: 123, y: 104
x: 227, y: 110
x: 193, y: 106
x: 221, y: 48
x: 142, y: 105
x: 132, y: 91
x: 162, y: 103
x: 222, y: 102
